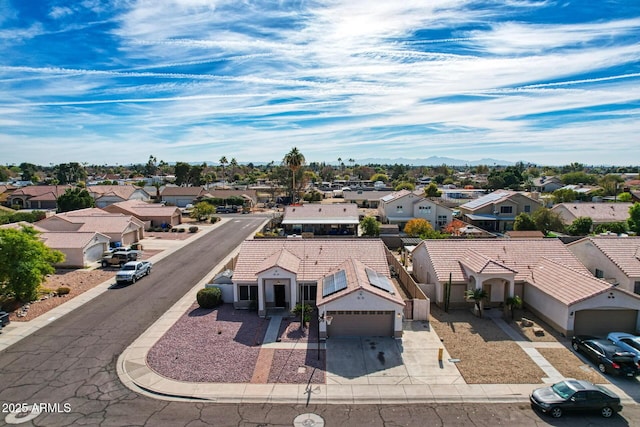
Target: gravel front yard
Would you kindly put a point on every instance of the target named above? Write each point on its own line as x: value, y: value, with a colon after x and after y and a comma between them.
x: 570, y: 366
x: 487, y: 355
x: 214, y: 345
x: 78, y: 281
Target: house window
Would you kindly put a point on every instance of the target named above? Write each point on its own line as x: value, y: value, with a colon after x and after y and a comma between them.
x: 506, y: 209
x: 636, y: 287
x: 442, y: 220
x: 399, y: 208
x: 527, y: 208
x: 425, y: 209
x: 248, y: 293
x: 599, y: 274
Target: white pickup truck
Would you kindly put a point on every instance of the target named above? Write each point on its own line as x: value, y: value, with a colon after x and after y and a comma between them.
x: 132, y: 271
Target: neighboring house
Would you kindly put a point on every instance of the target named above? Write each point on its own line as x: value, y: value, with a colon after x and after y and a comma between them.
x: 524, y: 234
x: 614, y: 259
x: 348, y: 279
x: 547, y: 184
x: 105, y: 195
x: 581, y: 188
x: 5, y: 192
x: 80, y: 248
x: 43, y: 197
x: 599, y: 213
x: 365, y: 198
x: 249, y: 195
x: 181, y: 196
x: 552, y: 282
x: 497, y: 211
x: 336, y: 219
x: 152, y: 214
x: 401, y: 206
x: 121, y: 229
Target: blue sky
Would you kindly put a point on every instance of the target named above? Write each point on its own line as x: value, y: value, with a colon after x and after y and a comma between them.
x: 114, y: 81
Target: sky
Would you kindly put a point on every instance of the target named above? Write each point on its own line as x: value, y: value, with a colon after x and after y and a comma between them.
x: 115, y: 81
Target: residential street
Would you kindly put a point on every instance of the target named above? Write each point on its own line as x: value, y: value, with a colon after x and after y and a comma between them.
x: 72, y: 362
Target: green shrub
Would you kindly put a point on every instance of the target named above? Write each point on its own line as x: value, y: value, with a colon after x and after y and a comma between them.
x: 193, y: 229
x: 180, y: 230
x: 63, y: 290
x: 297, y: 310
x: 215, y: 219
x: 174, y: 230
x: 209, y: 297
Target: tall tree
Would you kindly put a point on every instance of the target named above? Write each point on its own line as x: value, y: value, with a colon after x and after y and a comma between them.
x: 546, y: 220
x: 634, y: 218
x: 524, y: 222
x: 24, y: 263
x: 370, y: 226
x: 182, y: 173
x: 223, y: 161
x: 294, y: 160
x: 74, y: 199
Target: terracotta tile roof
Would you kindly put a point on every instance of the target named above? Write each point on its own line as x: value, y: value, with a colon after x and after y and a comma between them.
x: 96, y: 220
x: 224, y: 194
x: 122, y: 191
x: 395, y: 195
x: 317, y: 256
x: 39, y: 190
x: 182, y: 191
x: 519, y: 255
x: 525, y: 234
x: 20, y: 224
x: 313, y: 213
x: 598, y: 212
x: 479, y: 263
x: 62, y: 239
x: 357, y: 279
x: 564, y: 283
x: 622, y: 251
x: 143, y: 209
x: 283, y: 259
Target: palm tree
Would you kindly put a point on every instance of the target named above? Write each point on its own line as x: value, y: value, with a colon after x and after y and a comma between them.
x: 477, y: 295
x: 223, y: 161
x: 234, y: 165
x: 294, y: 161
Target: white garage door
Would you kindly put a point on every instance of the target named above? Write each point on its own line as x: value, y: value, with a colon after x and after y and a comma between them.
x: 94, y: 252
x: 601, y: 322
x: 361, y: 323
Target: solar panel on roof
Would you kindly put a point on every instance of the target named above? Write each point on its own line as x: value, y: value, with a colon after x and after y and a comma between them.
x: 380, y: 281
x: 492, y: 197
x: 334, y: 283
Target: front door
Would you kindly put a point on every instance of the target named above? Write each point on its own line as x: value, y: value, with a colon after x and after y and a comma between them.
x: 280, y: 295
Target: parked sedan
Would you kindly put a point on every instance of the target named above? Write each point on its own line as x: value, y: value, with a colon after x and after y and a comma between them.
x: 608, y: 357
x: 575, y: 395
x: 626, y: 341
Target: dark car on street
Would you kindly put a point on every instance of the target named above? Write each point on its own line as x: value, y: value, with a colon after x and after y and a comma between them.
x: 608, y: 357
x: 575, y: 396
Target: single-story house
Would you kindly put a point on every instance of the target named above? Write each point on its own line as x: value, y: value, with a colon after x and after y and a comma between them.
x: 121, y: 229
x: 600, y: 213
x: 404, y: 205
x: 152, y: 214
x: 365, y: 198
x: 334, y: 219
x: 37, y: 196
x: 612, y: 258
x: 79, y: 247
x: 182, y: 196
x: 347, y: 279
x: 551, y: 281
x: 105, y: 195
x: 250, y: 196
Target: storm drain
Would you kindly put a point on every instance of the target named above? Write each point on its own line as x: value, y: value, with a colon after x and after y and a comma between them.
x: 308, y: 420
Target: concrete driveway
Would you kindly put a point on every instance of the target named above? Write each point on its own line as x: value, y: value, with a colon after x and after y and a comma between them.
x: 385, y: 360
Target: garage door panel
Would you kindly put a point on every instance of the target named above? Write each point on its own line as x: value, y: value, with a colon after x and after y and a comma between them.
x: 601, y: 322
x: 361, y: 323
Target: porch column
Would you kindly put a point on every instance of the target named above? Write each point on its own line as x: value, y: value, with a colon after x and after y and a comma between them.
x: 512, y: 288
x: 261, y: 310
x: 294, y: 294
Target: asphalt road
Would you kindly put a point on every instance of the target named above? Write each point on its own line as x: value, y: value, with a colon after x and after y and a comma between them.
x: 71, y: 365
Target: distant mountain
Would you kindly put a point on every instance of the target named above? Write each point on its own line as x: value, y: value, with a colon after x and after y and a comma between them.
x: 435, y: 161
